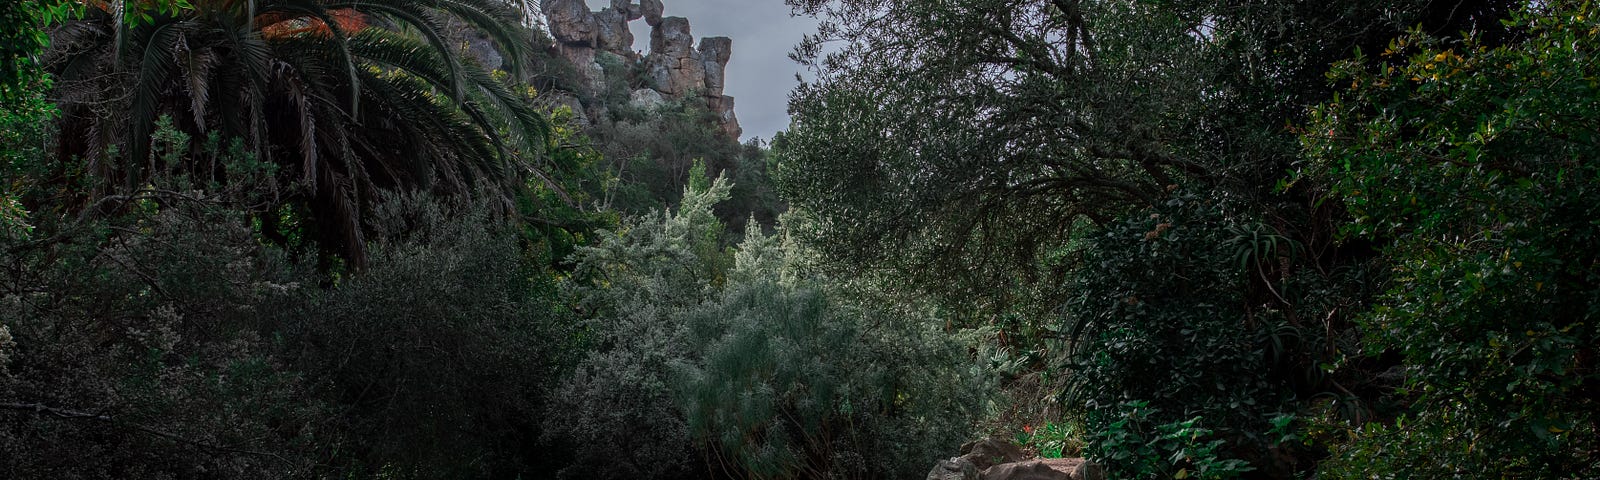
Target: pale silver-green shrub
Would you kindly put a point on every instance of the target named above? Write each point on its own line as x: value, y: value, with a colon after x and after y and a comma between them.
x: 734, y: 363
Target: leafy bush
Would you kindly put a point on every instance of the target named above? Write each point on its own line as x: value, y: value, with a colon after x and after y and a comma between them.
x: 1474, y: 166
x: 159, y: 334
x: 440, y: 352
x: 1053, y: 439
x: 1197, y: 310
x: 135, y: 346
x: 794, y: 380
x: 749, y: 370
x: 617, y: 413
x: 1178, y: 450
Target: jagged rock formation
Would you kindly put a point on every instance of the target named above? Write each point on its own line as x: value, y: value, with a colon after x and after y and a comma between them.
x: 676, y: 69
x: 652, y: 10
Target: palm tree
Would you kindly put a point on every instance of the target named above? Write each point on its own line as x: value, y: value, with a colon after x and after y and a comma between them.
x: 346, y: 97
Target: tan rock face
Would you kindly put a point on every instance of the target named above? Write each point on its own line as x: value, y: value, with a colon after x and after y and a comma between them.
x: 1089, y: 471
x: 571, y: 22
x: 672, y: 38
x: 611, y: 32
x: 675, y: 66
x: 714, y: 54
x: 476, y: 45
x: 723, y: 105
x: 676, y: 77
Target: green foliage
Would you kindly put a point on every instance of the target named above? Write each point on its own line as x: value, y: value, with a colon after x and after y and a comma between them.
x: 1161, y: 319
x: 24, y: 110
x: 753, y: 369
x: 344, y: 108
x: 136, y: 347
x: 963, y: 143
x: 558, y: 213
x: 439, y: 354
x: 173, y: 341
x: 652, y: 152
x: 765, y: 391
x: 22, y: 38
x: 24, y: 115
x: 619, y: 418
x: 1134, y: 448
x: 795, y: 381
x: 1473, y: 165
x: 1118, y: 164
x: 1053, y: 439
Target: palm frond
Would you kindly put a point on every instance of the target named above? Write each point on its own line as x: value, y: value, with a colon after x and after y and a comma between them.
x: 155, y: 74
x: 347, y: 108
x: 498, y: 19
x: 423, y: 23
x: 336, y: 37
x: 197, y: 69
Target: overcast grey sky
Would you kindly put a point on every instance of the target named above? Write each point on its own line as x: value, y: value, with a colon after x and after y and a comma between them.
x: 760, y: 73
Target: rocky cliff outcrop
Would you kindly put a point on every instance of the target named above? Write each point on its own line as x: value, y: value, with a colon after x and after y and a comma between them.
x: 676, y: 69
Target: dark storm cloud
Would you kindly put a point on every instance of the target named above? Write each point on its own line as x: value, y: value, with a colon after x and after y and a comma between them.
x: 760, y: 73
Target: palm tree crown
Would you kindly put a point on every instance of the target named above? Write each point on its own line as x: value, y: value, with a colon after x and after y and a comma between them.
x: 347, y: 97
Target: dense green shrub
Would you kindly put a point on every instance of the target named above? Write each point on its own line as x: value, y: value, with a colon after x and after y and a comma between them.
x: 1133, y: 447
x: 617, y: 416
x: 1474, y: 166
x: 161, y: 335
x: 794, y: 379
x: 1195, y: 310
x: 749, y: 370
x: 24, y: 109
x: 651, y: 153
x: 439, y: 353
x: 136, y: 347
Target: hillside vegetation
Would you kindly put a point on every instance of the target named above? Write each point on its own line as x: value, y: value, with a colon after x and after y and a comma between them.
x: 1261, y: 239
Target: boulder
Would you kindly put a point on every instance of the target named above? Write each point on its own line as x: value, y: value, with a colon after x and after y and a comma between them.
x: 955, y: 468
x: 579, y: 58
x: 998, y: 459
x: 651, y: 10
x: 579, y: 116
x: 1027, y: 470
x: 1088, y: 470
x: 716, y: 49
x: 989, y: 451
x: 675, y: 77
x: 571, y: 22
x: 646, y: 99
